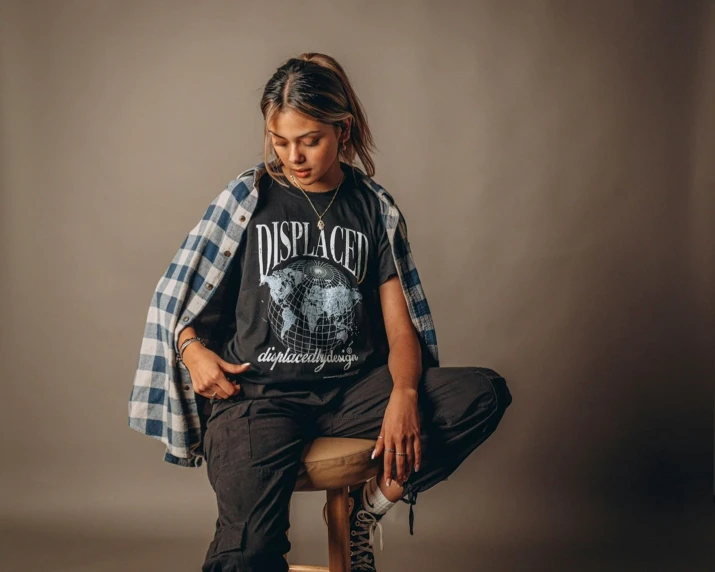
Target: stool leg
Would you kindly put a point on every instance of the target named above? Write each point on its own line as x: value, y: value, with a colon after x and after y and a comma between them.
x: 285, y: 556
x: 338, y: 530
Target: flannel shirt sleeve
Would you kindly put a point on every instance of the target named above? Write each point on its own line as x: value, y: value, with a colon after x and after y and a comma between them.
x: 162, y: 403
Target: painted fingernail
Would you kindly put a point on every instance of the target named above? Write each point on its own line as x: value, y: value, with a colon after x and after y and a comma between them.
x: 373, y: 454
x: 388, y: 481
x: 417, y: 468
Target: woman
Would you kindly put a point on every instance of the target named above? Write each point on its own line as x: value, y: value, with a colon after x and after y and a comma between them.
x: 296, y: 311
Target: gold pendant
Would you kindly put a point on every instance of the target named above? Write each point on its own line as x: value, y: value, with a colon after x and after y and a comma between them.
x: 321, y: 224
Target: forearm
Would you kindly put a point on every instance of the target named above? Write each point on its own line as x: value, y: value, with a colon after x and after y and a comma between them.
x: 405, y: 362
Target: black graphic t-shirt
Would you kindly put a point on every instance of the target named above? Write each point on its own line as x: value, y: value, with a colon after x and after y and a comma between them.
x: 308, y: 307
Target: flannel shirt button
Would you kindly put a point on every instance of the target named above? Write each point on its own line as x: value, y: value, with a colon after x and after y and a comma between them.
x: 242, y: 218
x: 186, y: 318
x: 209, y: 286
x: 227, y: 253
x: 186, y: 388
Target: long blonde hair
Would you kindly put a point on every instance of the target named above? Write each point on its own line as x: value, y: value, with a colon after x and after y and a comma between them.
x: 317, y: 86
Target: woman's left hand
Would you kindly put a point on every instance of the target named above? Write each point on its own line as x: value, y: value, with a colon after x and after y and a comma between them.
x: 401, y: 433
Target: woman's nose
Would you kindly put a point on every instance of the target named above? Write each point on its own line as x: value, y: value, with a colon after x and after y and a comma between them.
x: 295, y: 156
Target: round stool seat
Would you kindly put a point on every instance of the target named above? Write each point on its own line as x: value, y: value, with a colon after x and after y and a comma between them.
x: 336, y: 462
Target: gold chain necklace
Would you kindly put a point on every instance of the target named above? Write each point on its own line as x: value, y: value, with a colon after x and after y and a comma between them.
x: 321, y: 224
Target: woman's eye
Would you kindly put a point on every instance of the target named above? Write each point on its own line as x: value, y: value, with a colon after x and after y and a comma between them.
x: 311, y: 144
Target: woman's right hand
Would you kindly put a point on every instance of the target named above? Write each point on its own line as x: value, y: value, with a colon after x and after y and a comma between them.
x: 207, y: 372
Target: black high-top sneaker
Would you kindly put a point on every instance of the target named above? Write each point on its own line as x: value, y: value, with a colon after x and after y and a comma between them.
x: 362, y: 528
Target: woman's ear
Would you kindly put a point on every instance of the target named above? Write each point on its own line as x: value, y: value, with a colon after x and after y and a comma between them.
x: 346, y: 128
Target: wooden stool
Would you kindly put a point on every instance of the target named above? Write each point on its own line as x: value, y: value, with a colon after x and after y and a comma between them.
x: 332, y: 464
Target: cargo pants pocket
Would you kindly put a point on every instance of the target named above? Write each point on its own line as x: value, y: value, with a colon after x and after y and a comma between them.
x: 228, y: 438
x: 228, y: 538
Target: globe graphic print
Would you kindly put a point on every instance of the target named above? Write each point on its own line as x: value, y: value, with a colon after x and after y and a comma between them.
x: 312, y: 305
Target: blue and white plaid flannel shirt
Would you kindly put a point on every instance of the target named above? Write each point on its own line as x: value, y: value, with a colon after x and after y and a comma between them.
x: 162, y: 403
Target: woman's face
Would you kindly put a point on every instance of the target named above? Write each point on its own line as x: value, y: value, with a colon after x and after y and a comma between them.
x: 307, y: 148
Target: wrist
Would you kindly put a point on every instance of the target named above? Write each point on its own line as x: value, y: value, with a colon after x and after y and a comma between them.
x: 405, y: 389
x: 189, y: 347
x: 191, y: 353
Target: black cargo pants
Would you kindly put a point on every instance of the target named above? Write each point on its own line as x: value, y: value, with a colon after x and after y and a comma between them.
x: 255, y: 439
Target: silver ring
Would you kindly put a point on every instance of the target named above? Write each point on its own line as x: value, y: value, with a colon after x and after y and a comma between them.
x: 213, y: 396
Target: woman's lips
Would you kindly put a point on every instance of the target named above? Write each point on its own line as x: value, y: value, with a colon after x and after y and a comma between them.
x: 303, y: 173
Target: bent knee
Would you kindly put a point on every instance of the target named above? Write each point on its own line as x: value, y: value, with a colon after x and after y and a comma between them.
x: 489, y: 395
x: 469, y: 394
x: 502, y: 395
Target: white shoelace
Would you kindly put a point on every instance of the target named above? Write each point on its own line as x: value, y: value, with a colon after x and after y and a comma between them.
x: 369, y: 521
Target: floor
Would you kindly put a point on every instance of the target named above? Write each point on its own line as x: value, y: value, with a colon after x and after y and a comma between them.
x: 28, y: 548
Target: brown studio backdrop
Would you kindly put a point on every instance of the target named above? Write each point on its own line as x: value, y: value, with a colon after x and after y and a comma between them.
x: 554, y: 164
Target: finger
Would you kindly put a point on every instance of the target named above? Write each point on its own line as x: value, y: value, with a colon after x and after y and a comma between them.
x: 388, y: 459
x: 234, y: 367
x: 410, y: 458
x: 214, y: 392
x: 379, y: 447
x: 401, y: 461
x: 418, y: 453
x: 227, y: 387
